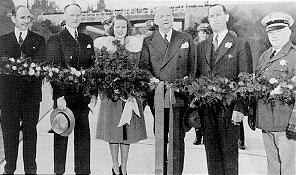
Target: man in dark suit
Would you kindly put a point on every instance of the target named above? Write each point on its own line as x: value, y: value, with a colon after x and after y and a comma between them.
x: 168, y: 55
x: 19, y: 96
x: 70, y: 48
x: 226, y: 55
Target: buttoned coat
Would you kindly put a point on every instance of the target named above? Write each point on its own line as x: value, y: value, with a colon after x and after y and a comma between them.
x: 168, y: 64
x: 275, y: 116
x: 65, y: 52
x: 18, y: 88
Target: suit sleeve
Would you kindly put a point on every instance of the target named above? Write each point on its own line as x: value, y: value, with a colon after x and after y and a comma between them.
x: 245, y: 65
x: 41, y: 53
x: 144, y: 61
x: 54, y: 56
x: 191, y: 58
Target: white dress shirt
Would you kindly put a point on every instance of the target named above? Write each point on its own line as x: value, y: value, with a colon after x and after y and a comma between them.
x: 17, y: 34
x: 221, y: 36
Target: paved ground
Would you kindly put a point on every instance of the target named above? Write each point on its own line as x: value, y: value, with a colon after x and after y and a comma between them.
x: 141, y: 157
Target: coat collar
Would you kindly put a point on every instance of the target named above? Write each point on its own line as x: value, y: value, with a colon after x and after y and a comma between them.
x: 67, y: 37
x: 158, y: 43
x: 283, y: 52
x: 175, y: 43
x: 225, y: 45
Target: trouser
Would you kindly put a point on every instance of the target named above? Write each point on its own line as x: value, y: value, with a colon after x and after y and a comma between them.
x: 81, y: 144
x: 241, y: 134
x: 280, y: 153
x: 220, y: 139
x: 12, y: 114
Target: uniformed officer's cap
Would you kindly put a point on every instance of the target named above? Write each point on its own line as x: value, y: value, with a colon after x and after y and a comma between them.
x: 277, y: 20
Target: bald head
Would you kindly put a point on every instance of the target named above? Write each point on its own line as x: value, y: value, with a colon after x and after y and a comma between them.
x: 163, y: 17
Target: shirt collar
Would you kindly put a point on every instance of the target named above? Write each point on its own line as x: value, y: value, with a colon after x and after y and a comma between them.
x: 221, y: 36
x: 72, y: 31
x: 17, y: 33
x: 169, y: 34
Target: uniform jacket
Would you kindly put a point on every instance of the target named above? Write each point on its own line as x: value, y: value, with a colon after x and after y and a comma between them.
x: 234, y: 57
x: 19, y: 88
x: 65, y: 52
x: 168, y: 64
x: 275, y: 116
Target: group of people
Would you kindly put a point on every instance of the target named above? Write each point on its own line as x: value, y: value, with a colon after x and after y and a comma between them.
x: 167, y: 55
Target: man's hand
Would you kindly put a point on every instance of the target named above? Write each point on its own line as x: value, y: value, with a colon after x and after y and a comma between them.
x: 61, y: 102
x: 93, y: 102
x: 291, y: 132
x: 237, y: 117
x: 153, y: 83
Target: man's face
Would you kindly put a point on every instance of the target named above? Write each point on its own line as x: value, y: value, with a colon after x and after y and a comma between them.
x: 22, y: 19
x: 278, y: 38
x: 73, y: 16
x: 120, y: 29
x: 218, y: 19
x: 164, y: 19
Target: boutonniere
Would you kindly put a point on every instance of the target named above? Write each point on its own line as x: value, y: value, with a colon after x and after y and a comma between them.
x: 230, y: 56
x: 88, y: 46
x: 228, y: 45
x: 283, y: 62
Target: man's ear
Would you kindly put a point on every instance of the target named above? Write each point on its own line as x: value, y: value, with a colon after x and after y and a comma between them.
x: 13, y: 19
x: 227, y: 17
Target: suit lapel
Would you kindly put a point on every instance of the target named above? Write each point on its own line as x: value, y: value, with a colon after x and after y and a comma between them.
x: 158, y: 43
x: 283, y: 52
x: 175, y: 43
x: 225, y: 45
x: 209, y: 49
x: 68, y: 39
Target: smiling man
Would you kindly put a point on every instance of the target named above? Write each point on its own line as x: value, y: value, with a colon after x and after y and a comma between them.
x: 278, y: 60
x: 226, y: 55
x: 70, y: 48
x: 20, y: 97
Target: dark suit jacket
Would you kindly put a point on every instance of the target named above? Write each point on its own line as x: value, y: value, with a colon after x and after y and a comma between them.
x: 65, y: 52
x: 234, y: 57
x: 168, y: 64
x: 17, y: 88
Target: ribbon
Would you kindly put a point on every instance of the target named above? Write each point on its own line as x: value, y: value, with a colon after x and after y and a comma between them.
x: 127, y: 113
x: 163, y: 99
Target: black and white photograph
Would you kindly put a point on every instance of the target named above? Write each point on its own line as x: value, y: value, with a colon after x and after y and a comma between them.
x: 148, y: 87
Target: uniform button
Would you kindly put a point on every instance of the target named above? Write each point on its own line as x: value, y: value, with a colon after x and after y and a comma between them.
x: 266, y: 68
x: 281, y: 69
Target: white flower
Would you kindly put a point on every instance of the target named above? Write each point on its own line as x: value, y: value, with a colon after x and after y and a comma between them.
x: 83, y: 72
x: 13, y: 67
x: 38, y: 68
x: 50, y: 74
x: 293, y: 79
x: 290, y: 86
x: 25, y: 65
x: 31, y: 71
x: 273, y: 80
x: 277, y: 90
x: 77, y: 73
x: 55, y: 70
x: 11, y: 59
x: 283, y: 62
x: 228, y: 45
x: 73, y: 70
x: 33, y: 65
x: 18, y: 61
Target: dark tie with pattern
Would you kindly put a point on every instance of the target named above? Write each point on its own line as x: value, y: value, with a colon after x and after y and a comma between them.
x: 215, y: 42
x: 272, y: 54
x: 21, y: 39
x: 166, y: 40
x: 76, y: 36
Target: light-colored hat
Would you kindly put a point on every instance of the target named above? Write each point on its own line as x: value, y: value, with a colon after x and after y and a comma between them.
x: 62, y: 121
x: 277, y: 20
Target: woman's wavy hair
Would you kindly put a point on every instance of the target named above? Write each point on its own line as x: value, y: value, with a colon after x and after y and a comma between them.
x: 120, y: 17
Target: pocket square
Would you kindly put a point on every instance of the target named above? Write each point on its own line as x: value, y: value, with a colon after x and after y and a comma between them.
x: 184, y: 45
x: 230, y: 56
x: 88, y: 46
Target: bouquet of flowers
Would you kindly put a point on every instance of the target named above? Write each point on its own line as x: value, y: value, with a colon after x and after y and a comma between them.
x: 116, y: 74
x: 21, y: 67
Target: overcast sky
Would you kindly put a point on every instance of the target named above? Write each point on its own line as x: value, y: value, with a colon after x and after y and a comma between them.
x: 118, y: 4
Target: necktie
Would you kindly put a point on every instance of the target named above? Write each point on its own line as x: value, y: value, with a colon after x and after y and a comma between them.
x: 215, y: 42
x: 166, y: 40
x: 272, y: 54
x: 76, y: 36
x: 21, y: 39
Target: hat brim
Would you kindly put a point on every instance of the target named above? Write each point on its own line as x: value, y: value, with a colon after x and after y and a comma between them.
x: 275, y: 27
x: 70, y: 117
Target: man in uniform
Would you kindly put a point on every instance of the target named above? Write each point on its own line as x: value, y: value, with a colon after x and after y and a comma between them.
x: 280, y: 59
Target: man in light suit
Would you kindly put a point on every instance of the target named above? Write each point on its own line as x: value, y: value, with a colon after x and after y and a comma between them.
x: 20, y: 96
x: 168, y: 55
x: 225, y: 55
x: 276, y: 61
x: 70, y: 48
